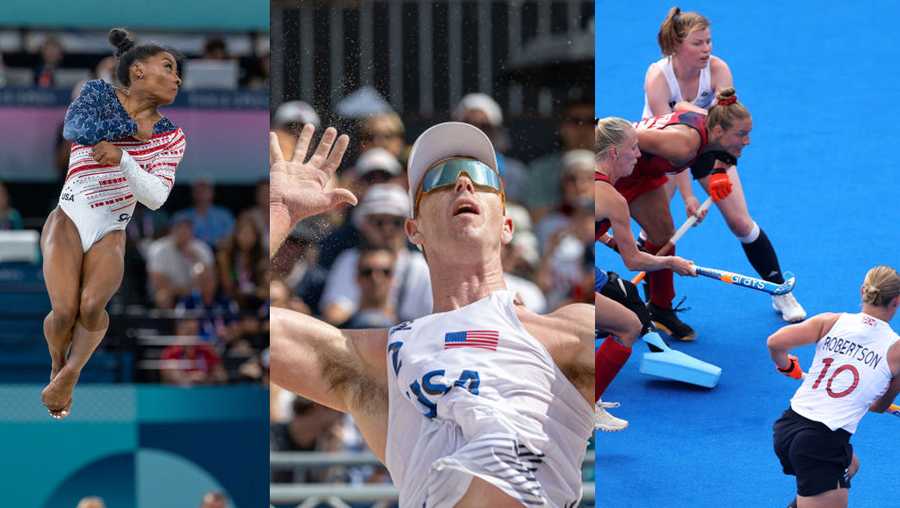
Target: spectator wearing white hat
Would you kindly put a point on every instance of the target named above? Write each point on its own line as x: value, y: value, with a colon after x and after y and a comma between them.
x: 520, y: 259
x: 289, y: 118
x: 375, y: 166
x: 482, y: 111
x: 576, y: 187
x: 576, y: 131
x: 379, y: 218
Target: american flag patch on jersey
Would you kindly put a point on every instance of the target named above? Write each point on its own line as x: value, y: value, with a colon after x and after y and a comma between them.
x: 484, y: 339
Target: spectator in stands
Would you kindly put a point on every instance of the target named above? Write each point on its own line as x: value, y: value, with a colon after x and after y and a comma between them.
x: 296, y: 264
x: 215, y: 48
x: 282, y: 296
x: 10, y: 218
x: 51, y: 57
x: 215, y: 311
x: 374, y: 166
x: 312, y: 427
x: 482, y: 111
x: 178, y: 264
x: 519, y: 258
x: 214, y: 499
x: 258, y: 74
x: 105, y: 70
x: 241, y: 263
x: 380, y: 218
x: 384, y: 130
x: 289, y: 118
x: 567, y: 259
x: 375, y: 276
x: 211, y: 222
x: 91, y: 502
x: 191, y: 361
x: 259, y: 212
x: 576, y: 131
x: 576, y: 187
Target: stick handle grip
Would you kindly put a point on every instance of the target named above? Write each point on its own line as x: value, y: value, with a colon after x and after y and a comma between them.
x: 677, y: 236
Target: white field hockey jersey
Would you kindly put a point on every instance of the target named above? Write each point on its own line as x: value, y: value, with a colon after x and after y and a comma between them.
x: 472, y: 393
x: 849, y: 372
x: 705, y: 94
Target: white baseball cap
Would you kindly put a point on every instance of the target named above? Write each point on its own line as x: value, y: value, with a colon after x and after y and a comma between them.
x: 381, y: 199
x: 375, y: 159
x: 444, y: 141
x: 481, y: 102
x: 295, y: 112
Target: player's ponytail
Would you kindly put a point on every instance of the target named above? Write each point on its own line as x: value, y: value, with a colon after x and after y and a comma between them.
x: 727, y: 110
x: 882, y: 284
x: 610, y: 132
x: 676, y: 27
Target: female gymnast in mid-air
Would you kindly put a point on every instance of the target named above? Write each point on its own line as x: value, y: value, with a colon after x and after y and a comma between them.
x: 123, y: 152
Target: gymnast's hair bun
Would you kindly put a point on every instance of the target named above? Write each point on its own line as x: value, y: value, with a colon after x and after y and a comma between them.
x: 121, y: 39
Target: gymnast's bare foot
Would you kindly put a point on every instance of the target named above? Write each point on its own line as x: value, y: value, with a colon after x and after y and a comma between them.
x: 57, y: 396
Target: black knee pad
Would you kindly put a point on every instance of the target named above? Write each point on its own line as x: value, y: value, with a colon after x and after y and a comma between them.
x: 626, y: 293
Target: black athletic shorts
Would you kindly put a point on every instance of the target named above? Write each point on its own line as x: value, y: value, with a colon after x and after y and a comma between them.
x: 817, y: 456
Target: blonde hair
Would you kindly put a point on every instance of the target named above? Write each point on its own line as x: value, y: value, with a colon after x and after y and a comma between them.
x: 882, y: 284
x: 676, y: 27
x: 609, y: 132
x: 727, y: 110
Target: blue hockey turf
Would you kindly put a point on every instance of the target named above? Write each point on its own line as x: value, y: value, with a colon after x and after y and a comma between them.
x: 820, y: 176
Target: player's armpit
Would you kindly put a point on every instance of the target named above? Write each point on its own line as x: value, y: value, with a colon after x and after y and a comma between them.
x: 342, y: 369
x: 568, y: 334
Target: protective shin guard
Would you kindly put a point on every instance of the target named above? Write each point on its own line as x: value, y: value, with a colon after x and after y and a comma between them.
x: 608, y: 361
x: 661, y: 282
x: 762, y: 256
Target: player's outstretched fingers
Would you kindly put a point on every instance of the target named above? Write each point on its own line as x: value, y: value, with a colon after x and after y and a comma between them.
x: 302, y: 146
x: 324, y: 148
x: 275, y: 154
x: 337, y: 154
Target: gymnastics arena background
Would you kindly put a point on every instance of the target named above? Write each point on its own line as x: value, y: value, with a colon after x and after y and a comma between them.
x: 171, y: 409
x: 820, y: 179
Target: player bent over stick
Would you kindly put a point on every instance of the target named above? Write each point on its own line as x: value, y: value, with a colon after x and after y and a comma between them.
x: 856, y: 369
x: 123, y: 152
x: 482, y: 403
x: 617, y: 153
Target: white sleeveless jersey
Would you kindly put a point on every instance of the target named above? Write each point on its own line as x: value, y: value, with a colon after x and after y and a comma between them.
x: 705, y: 94
x: 471, y: 393
x: 849, y: 372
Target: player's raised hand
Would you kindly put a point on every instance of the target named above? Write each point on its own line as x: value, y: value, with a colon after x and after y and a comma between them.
x: 300, y: 187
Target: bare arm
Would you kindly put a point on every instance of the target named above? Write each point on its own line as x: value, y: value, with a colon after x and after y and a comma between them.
x: 884, y: 402
x: 792, y: 336
x: 343, y: 369
x: 720, y: 74
x: 612, y: 205
x: 657, y: 91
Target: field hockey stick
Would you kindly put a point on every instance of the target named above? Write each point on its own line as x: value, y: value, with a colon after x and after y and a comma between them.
x: 677, y: 236
x: 748, y: 282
